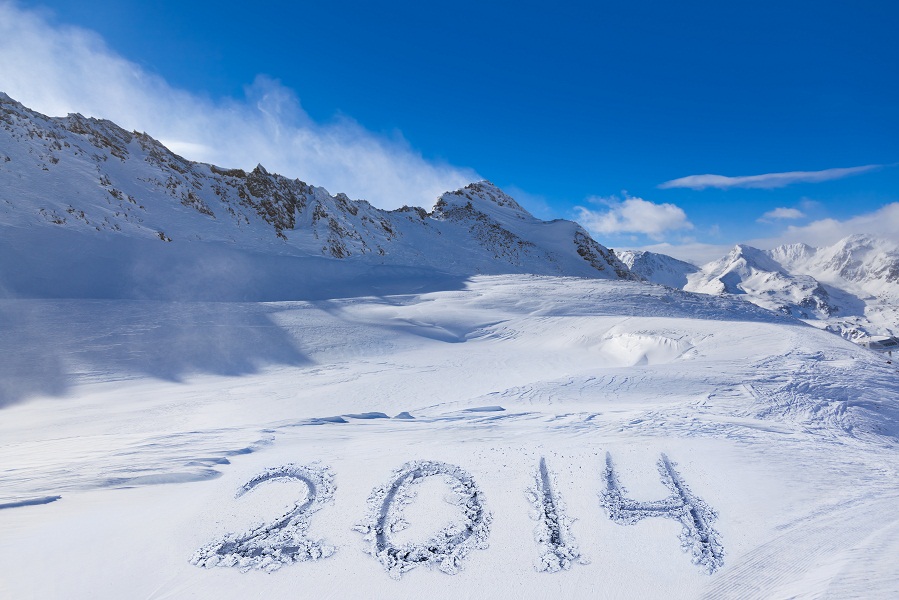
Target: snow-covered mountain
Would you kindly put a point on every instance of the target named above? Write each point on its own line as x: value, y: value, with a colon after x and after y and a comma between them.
x: 657, y: 268
x: 850, y: 288
x: 860, y: 263
x: 82, y: 186
x: 750, y: 271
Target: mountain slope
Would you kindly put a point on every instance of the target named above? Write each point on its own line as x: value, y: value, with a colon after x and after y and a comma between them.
x: 747, y: 270
x: 850, y: 288
x: 118, y: 195
x: 657, y: 268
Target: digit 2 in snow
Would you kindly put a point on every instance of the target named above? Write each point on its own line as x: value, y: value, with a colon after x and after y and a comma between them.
x: 286, y: 540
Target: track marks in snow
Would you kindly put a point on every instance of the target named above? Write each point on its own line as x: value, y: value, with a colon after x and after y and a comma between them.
x: 836, y: 551
x: 558, y: 548
x: 284, y: 541
x: 447, y: 549
x: 697, y: 537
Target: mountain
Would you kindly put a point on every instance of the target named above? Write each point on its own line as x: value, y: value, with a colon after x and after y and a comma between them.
x: 77, y: 192
x: 657, y: 268
x: 862, y: 263
x: 850, y: 288
x: 750, y: 271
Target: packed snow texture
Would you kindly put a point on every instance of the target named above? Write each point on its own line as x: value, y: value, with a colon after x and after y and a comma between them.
x: 449, y: 547
x: 698, y: 537
x: 557, y: 546
x: 788, y: 432
x: 284, y: 541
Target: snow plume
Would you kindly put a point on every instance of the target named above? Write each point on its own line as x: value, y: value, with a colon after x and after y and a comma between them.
x: 767, y: 181
x: 59, y: 69
x: 633, y: 215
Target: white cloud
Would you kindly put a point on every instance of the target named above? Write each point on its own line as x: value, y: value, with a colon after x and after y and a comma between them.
x: 767, y: 181
x: 633, y: 215
x: 782, y: 213
x: 883, y: 223
x: 59, y: 69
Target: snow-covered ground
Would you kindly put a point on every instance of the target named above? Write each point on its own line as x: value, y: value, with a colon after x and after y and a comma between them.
x: 507, y: 436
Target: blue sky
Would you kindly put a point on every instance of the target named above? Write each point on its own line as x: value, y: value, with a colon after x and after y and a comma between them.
x: 581, y: 110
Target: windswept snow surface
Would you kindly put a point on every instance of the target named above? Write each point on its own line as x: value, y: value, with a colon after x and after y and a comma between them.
x: 421, y: 418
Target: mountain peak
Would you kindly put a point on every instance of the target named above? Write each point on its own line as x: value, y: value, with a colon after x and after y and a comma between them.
x: 752, y: 258
x: 483, y: 196
x: 657, y: 268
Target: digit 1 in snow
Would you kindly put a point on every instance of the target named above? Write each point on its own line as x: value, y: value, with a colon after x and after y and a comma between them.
x: 697, y: 536
x: 558, y: 548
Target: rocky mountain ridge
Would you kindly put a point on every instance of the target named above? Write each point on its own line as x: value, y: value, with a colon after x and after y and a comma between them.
x: 90, y: 176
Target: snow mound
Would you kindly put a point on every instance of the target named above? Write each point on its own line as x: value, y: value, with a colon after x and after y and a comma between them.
x: 630, y: 349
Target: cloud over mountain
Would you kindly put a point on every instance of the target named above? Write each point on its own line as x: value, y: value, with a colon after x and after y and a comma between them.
x: 60, y: 69
x: 633, y: 215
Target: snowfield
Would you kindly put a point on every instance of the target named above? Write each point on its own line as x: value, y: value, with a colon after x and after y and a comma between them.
x: 508, y: 436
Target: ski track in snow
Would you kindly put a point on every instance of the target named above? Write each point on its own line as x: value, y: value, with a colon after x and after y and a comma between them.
x: 842, y: 540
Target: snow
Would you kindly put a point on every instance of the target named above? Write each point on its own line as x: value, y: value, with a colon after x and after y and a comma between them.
x: 850, y: 288
x: 77, y: 192
x: 300, y: 394
x: 786, y: 433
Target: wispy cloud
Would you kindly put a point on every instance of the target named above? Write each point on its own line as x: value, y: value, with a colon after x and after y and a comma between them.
x: 59, y: 69
x: 781, y: 213
x: 632, y: 215
x: 767, y: 181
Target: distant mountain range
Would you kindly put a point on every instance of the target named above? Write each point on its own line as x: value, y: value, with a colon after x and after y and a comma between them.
x: 850, y: 288
x: 82, y: 187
